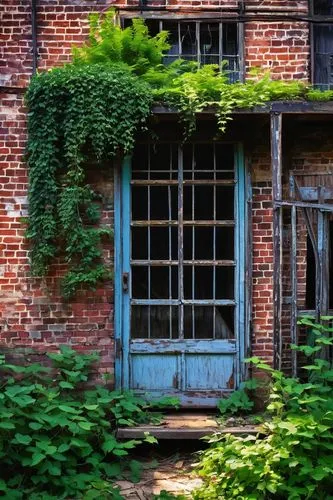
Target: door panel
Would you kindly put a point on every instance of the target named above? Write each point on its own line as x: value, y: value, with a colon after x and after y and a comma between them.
x: 183, y: 249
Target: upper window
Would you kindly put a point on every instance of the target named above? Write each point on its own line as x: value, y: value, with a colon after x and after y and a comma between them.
x: 202, y: 41
x: 322, y: 61
x: 323, y: 56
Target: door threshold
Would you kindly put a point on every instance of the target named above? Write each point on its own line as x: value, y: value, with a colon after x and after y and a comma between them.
x: 184, y: 425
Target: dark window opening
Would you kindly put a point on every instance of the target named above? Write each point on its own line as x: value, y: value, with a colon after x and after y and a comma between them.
x: 183, y: 266
x: 323, y: 7
x: 201, y: 41
x: 323, y: 56
x: 310, y: 276
x: 311, y: 273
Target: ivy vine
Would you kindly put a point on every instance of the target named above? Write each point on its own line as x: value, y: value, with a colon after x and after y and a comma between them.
x: 92, y: 109
x: 76, y: 114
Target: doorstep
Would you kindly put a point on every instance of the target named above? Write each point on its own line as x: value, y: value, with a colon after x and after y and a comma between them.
x: 185, y: 426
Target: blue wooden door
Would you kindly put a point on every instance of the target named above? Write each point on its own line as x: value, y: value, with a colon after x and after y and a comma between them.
x: 180, y: 253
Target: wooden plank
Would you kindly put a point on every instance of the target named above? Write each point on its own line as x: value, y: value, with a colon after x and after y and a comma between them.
x: 302, y: 204
x: 154, y: 346
x: 209, y: 263
x: 323, y: 230
x: 185, y: 302
x: 311, y: 193
x: 167, y: 223
x: 276, y: 160
x: 286, y: 107
x: 183, y: 432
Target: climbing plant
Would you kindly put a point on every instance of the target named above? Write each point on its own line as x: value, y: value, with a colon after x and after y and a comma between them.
x: 91, y: 109
x: 76, y: 114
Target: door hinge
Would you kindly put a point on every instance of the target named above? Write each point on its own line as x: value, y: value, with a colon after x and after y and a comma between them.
x: 119, y: 348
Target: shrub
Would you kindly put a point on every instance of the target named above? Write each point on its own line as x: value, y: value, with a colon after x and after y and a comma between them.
x: 58, y: 440
x: 293, y: 460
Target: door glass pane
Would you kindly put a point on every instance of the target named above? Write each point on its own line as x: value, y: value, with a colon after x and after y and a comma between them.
x: 225, y: 288
x: 188, y: 41
x: 224, y: 322
x: 208, y: 322
x: 154, y: 322
x: 224, y: 243
x: 139, y: 243
x: 209, y: 43
x: 139, y: 322
x: 225, y: 202
x: 140, y: 284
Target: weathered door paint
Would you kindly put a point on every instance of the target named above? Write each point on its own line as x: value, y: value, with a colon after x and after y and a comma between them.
x: 180, y: 280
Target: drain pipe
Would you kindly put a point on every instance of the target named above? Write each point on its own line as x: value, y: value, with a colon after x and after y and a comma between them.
x: 34, y: 35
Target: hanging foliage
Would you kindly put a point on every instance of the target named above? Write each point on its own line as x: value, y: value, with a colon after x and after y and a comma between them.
x: 92, y: 109
x: 76, y: 114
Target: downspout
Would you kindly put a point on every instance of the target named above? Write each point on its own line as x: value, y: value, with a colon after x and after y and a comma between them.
x: 34, y: 35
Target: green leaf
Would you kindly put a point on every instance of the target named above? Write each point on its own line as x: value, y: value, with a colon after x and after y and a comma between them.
x: 109, y: 444
x: 35, y: 426
x: 7, y: 425
x: 150, y: 439
x: 37, y: 458
x: 23, y: 439
x: 119, y: 452
x: 66, y: 385
x: 63, y: 447
x: 90, y: 407
x: 87, y: 426
x: 69, y: 409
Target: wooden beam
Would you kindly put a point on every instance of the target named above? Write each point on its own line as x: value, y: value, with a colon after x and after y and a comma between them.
x: 286, y: 107
x: 276, y: 160
x: 324, y: 207
x: 293, y: 269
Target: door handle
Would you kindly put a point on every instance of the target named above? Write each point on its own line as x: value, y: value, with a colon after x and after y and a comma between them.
x: 125, y: 282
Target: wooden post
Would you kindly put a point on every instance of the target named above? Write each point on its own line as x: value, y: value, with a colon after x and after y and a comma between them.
x: 293, y: 269
x: 276, y: 160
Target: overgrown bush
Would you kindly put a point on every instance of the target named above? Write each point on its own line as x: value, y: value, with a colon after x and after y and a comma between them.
x: 108, y: 43
x: 57, y: 440
x: 292, y: 458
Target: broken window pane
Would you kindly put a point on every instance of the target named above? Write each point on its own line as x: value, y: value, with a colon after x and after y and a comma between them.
x: 323, y: 56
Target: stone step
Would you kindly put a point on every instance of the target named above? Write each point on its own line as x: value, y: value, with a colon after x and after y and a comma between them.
x: 185, y: 426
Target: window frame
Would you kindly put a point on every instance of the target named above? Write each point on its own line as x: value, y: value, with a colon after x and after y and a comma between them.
x: 317, y: 20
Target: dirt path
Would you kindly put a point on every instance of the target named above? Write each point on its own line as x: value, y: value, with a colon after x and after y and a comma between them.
x: 173, y: 474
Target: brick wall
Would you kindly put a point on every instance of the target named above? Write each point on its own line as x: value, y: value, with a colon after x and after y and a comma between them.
x: 279, y: 47
x: 32, y: 313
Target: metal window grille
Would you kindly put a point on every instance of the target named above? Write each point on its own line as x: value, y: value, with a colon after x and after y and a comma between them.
x: 204, y: 41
